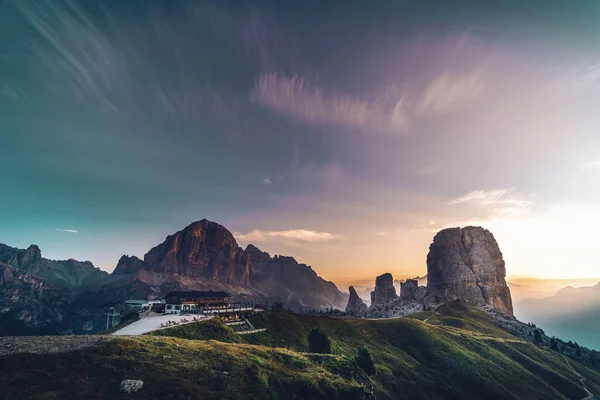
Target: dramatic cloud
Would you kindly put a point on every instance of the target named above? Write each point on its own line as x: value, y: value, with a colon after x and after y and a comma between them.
x: 302, y: 235
x: 497, y: 203
x: 295, y: 97
x: 67, y: 230
x: 448, y: 91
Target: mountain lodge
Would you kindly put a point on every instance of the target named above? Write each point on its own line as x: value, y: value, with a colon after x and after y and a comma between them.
x: 206, y: 303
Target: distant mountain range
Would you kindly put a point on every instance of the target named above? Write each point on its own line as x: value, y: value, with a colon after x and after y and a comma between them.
x: 41, y: 296
x: 572, y: 313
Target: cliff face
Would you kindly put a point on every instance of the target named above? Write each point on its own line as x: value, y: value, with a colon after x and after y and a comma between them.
x: 285, y: 280
x: 68, y: 273
x: 385, y: 291
x: 29, y: 305
x: 203, y: 250
x: 355, y: 304
x: 467, y: 264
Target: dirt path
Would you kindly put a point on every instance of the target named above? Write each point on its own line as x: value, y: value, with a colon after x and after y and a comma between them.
x: 434, y: 315
x: 589, y: 396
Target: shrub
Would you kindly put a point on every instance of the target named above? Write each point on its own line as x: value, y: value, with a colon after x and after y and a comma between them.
x: 318, y: 342
x: 537, y: 336
x: 365, y: 361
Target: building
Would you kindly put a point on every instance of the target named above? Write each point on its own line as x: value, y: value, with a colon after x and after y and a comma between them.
x: 144, y: 305
x: 205, y: 302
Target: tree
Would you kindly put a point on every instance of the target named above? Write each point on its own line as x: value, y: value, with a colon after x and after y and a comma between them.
x: 318, y: 342
x: 365, y: 361
x: 537, y: 336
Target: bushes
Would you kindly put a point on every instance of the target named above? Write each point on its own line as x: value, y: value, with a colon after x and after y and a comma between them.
x: 365, y: 361
x: 537, y: 336
x: 318, y: 342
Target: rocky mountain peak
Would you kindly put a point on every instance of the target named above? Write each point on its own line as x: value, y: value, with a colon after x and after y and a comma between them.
x: 355, y: 304
x: 128, y: 265
x: 202, y: 250
x: 410, y: 290
x: 256, y: 254
x: 466, y: 263
x: 384, y: 291
x: 31, y: 255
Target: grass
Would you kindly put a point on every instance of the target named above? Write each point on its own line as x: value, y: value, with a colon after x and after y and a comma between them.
x: 179, y: 369
x: 458, y: 354
x: 214, y: 329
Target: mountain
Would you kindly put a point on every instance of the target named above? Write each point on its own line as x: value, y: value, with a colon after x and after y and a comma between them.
x: 204, y: 255
x: 462, y: 263
x: 456, y: 352
x: 29, y: 305
x: 68, y: 273
x: 466, y: 263
x: 572, y: 313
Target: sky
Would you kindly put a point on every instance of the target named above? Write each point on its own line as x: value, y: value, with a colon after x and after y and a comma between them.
x: 343, y: 133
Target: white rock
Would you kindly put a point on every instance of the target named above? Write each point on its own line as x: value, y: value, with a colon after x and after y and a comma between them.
x: 131, y: 385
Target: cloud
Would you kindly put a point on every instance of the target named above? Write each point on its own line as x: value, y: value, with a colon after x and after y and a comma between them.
x: 497, y: 203
x: 67, y: 230
x: 448, y: 91
x: 257, y: 235
x: 590, y: 165
x: 267, y: 181
x: 580, y: 79
x: 297, y: 98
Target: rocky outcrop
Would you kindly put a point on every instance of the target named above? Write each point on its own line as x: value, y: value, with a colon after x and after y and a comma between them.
x: 128, y: 265
x: 408, y: 289
x: 384, y: 292
x: 29, y: 305
x: 68, y: 273
x: 203, y: 250
x: 355, y: 304
x: 386, y: 304
x: 283, y: 279
x: 466, y: 263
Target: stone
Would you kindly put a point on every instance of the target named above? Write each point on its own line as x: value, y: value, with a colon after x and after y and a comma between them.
x: 420, y: 293
x: 131, y: 385
x: 408, y: 289
x: 355, y: 304
x: 466, y: 263
x: 384, y: 292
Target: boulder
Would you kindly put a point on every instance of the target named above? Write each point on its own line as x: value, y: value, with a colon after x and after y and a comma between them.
x: 384, y: 292
x: 466, y: 263
x: 355, y: 304
x: 131, y: 385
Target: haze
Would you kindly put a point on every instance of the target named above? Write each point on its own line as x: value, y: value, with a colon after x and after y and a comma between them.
x: 345, y: 135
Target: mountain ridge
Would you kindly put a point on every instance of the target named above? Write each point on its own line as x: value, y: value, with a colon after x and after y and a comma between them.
x: 203, y: 255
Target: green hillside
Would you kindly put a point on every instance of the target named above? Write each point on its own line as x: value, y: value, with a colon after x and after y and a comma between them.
x: 458, y: 353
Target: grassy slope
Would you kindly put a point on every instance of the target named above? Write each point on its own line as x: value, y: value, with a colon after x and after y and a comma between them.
x: 457, y: 354
x: 179, y: 369
x: 438, y: 361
